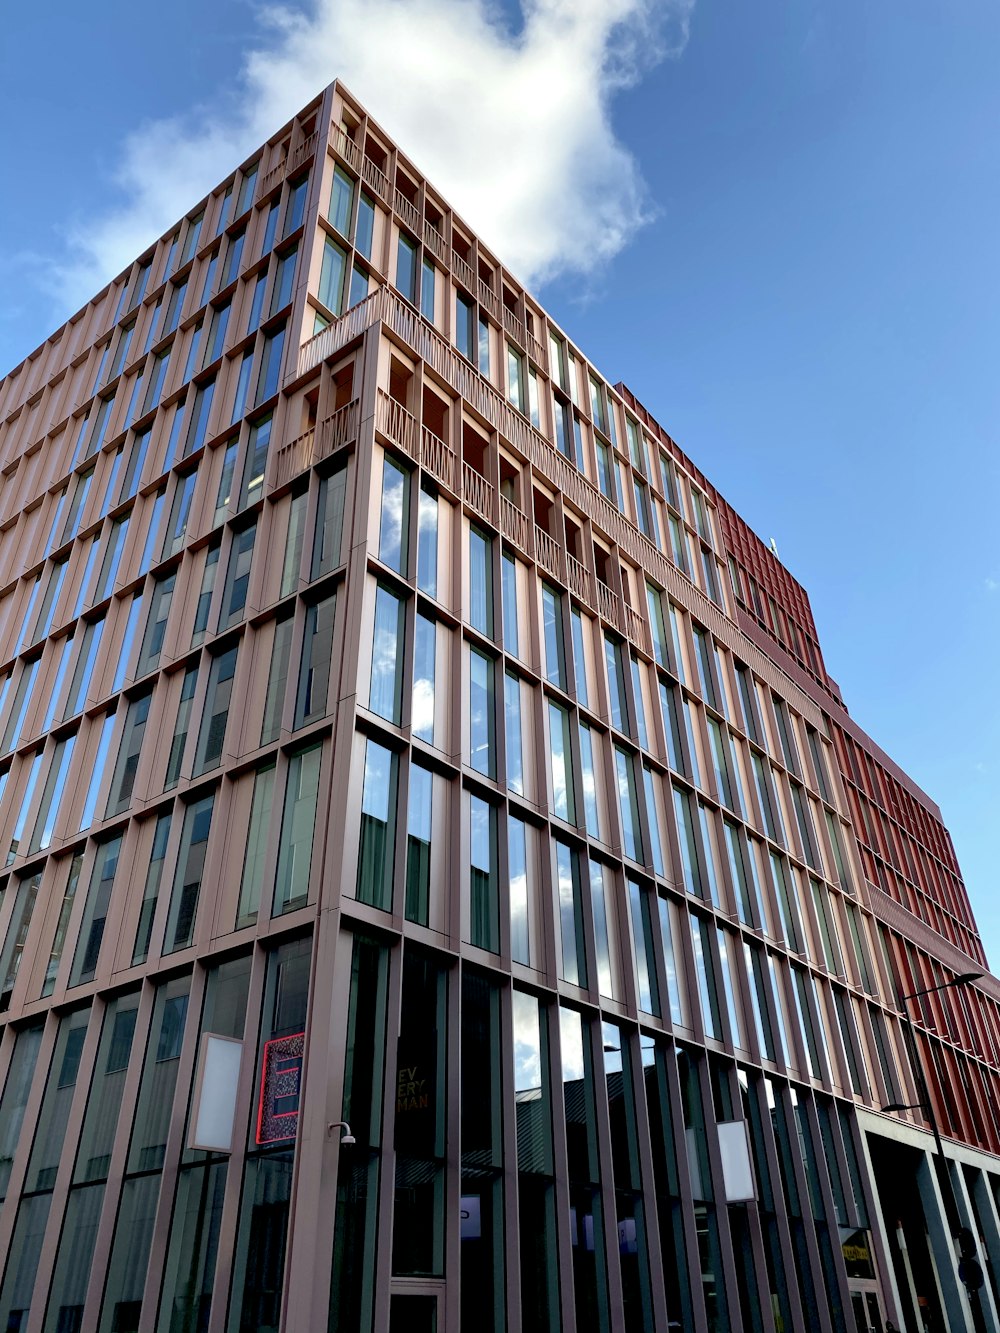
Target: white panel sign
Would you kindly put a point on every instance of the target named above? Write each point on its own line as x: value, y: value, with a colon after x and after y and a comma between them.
x: 471, y: 1226
x: 215, y: 1093
x: 737, y: 1169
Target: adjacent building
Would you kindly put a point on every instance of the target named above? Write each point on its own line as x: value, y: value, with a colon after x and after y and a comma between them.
x: 442, y: 886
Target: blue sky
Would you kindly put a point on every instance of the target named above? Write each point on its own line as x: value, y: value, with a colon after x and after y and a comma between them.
x: 810, y: 305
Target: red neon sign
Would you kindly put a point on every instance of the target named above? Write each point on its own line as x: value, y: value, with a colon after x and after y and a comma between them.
x: 280, y: 1089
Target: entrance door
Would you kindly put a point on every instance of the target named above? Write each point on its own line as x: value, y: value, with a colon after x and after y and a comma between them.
x: 867, y: 1306
x: 416, y: 1307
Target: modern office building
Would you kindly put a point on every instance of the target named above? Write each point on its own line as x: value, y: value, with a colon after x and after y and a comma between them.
x: 443, y: 887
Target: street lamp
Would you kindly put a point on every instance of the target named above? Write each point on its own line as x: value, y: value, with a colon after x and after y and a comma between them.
x: 969, y: 1270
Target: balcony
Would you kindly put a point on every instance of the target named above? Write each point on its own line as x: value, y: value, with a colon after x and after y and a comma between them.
x: 579, y: 580
x: 514, y: 328
x: 407, y: 212
x: 609, y: 605
x: 386, y: 307
x: 402, y: 429
x: 463, y: 272
x: 437, y: 458
x: 315, y: 444
x: 489, y: 299
x: 397, y: 425
x: 346, y: 148
x: 548, y: 552
x: 536, y: 351
x: 478, y: 493
x: 435, y: 242
x: 281, y: 169
x: 514, y: 523
x: 376, y: 180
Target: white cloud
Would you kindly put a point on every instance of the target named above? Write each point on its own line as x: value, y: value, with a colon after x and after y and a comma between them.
x: 991, y: 584
x: 512, y: 124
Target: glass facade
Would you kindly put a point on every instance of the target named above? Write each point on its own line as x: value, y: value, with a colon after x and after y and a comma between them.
x: 364, y: 758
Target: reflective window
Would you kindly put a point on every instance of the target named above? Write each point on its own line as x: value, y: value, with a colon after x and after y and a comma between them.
x: 136, y: 461
x: 284, y: 281
x: 563, y: 787
x: 640, y: 708
x: 234, y: 255
x: 331, y: 280
x: 579, y: 658
x: 180, y: 513
x: 386, y: 685
x: 484, y: 905
x: 182, y: 722
x: 65, y: 653
x: 520, y: 907
x: 242, y: 386
x: 418, y: 844
x: 93, y: 1158
x: 427, y: 284
x: 378, y: 800
x: 98, y: 771
x: 224, y: 493
x: 156, y: 624
x: 602, y: 903
x: 650, y: 782
x: 114, y: 545
x: 341, y: 201
x: 22, y: 699
x: 95, y: 914
x: 704, y: 967
x: 295, y: 210
x: 151, y: 888
x: 484, y: 347
x: 482, y: 741
x: 552, y: 630
x: 15, y: 1097
x: 687, y: 838
x: 270, y: 368
x: 643, y: 948
x: 188, y: 875
x: 480, y: 582
x: 26, y: 895
x: 406, y: 267
x: 83, y: 672
x: 365, y: 230
x: 329, y: 522
x: 427, y: 541
x: 217, y: 332
x: 394, y: 526
x: 513, y: 733
x: 424, y: 669
x: 567, y: 876
x: 34, y: 774
x: 200, y: 412
x: 674, y: 993
x: 76, y: 510
x: 277, y: 678
x: 270, y: 228
x: 312, y: 699
x: 508, y: 580
x: 298, y: 823
x: 589, y: 776
x: 464, y: 325
x: 628, y: 805
x: 203, y: 606
x: 152, y: 542
x: 127, y: 764
x: 218, y: 700
x: 234, y: 594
